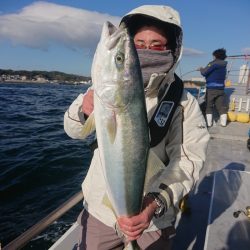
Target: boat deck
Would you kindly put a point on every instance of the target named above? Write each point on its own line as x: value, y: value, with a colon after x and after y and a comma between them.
x: 227, y: 149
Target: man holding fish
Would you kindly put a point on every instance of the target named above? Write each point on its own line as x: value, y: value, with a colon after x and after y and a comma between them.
x: 151, y: 134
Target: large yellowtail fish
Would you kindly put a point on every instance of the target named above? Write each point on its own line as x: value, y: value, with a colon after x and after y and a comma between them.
x: 120, y: 120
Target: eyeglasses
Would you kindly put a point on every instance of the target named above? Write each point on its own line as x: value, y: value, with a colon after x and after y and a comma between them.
x: 152, y: 46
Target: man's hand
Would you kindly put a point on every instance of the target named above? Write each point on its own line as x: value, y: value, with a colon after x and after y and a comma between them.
x: 134, y: 226
x: 88, y: 103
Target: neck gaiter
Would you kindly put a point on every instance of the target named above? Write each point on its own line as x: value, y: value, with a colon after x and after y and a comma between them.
x: 152, y: 61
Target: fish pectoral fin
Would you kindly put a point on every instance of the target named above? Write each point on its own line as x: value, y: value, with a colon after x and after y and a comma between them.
x: 88, y: 126
x: 112, y: 128
x: 106, y: 201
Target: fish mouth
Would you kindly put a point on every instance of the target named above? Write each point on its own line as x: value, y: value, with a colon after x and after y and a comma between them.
x: 115, y: 34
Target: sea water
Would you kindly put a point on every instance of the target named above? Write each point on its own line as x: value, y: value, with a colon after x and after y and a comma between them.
x: 40, y: 166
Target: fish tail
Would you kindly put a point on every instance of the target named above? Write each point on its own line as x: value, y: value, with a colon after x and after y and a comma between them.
x: 132, y: 245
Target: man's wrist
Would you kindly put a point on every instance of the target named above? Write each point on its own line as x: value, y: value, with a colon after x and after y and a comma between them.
x: 160, y: 204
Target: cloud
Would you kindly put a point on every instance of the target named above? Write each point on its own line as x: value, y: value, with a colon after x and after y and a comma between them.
x: 42, y: 24
x: 192, y: 52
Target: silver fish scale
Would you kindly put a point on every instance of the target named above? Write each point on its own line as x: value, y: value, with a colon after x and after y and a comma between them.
x: 121, y: 120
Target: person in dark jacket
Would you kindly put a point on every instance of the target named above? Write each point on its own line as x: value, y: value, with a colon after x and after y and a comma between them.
x: 215, y: 74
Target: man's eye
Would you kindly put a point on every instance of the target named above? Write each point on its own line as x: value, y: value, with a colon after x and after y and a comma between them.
x: 156, y: 45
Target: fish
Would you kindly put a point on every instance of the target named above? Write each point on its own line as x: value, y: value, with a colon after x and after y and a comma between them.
x: 121, y: 124
x: 120, y: 120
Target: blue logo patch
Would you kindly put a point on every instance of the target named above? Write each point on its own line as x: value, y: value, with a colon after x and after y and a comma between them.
x: 163, y: 112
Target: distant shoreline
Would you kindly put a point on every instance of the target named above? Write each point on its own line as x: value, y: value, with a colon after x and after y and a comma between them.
x: 41, y: 82
x: 21, y: 81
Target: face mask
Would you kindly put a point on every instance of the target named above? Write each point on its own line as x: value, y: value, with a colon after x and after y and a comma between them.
x: 153, y: 61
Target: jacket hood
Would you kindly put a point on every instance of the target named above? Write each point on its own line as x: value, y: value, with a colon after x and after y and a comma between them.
x: 163, y: 13
x: 167, y: 17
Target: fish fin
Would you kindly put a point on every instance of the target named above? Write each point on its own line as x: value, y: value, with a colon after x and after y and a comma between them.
x: 132, y: 245
x: 88, y: 126
x: 106, y: 201
x: 112, y: 128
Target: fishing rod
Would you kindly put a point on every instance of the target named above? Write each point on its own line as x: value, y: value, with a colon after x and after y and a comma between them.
x: 189, y: 72
x: 239, y: 56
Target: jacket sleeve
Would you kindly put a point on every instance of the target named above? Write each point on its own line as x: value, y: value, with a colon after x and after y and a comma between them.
x: 74, y: 118
x: 185, y: 145
x: 208, y: 69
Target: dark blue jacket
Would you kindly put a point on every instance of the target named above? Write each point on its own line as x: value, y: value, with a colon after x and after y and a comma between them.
x: 215, y: 74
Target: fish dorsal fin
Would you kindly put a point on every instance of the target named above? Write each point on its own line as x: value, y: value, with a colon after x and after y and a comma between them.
x: 88, y: 126
x: 112, y: 127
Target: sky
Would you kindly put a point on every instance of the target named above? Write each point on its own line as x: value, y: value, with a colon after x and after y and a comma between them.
x: 62, y: 34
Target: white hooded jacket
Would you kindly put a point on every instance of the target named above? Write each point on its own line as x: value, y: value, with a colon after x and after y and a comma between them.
x: 182, y: 151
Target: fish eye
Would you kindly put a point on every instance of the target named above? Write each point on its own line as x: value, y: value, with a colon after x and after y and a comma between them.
x: 119, y: 59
